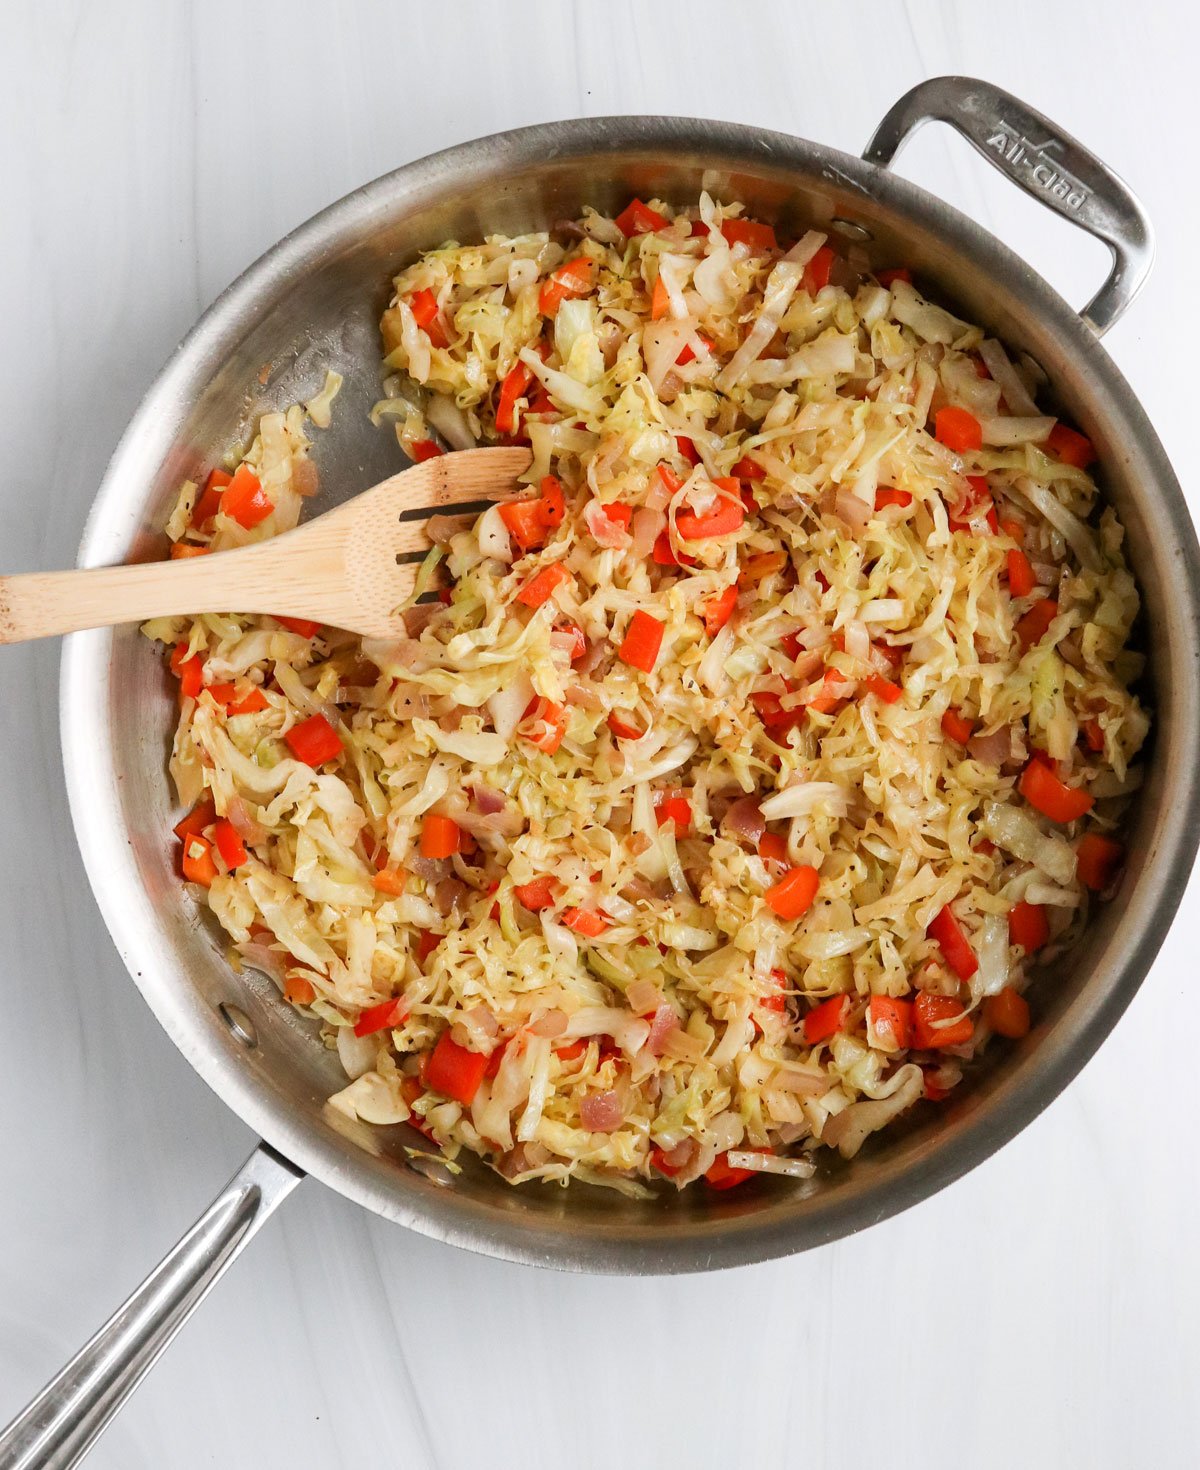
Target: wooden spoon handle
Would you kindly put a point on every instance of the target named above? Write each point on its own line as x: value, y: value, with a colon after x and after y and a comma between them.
x: 251, y: 579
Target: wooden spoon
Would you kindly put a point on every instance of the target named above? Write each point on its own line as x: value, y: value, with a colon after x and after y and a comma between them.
x: 351, y: 567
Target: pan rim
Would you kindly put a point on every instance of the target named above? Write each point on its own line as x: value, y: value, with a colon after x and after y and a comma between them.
x: 90, y: 758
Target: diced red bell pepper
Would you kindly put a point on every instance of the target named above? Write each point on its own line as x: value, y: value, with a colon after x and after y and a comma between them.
x: 719, y: 609
x: 889, y: 495
x: 427, y: 942
x: 1034, y: 626
x: 202, y: 815
x: 245, y: 500
x: 1098, y: 860
x: 958, y: 430
x: 748, y: 469
x: 726, y: 516
x: 528, y: 521
x: 198, y: 865
x: 773, y: 848
x: 776, y: 718
x: 191, y: 678
x: 585, y: 921
x: 658, y: 1156
x: 957, y: 726
x: 189, y: 671
x: 578, y: 639
x: 977, y: 505
x: 536, y: 895
x: 548, y: 722
x: 670, y: 480
x: 619, y: 514
x: 306, y: 627
x: 229, y: 844
x: 553, y: 502
x: 933, y: 1089
x: 575, y: 278
x: 791, y: 645
x: 541, y: 585
x: 793, y: 895
x: 441, y: 836
x: 496, y: 1058
x: 423, y: 449
x: 525, y: 522
x: 427, y: 315
x: 664, y: 554
x: 889, y: 1019
x: 674, y: 807
x: 642, y: 642
x: 1028, y: 926
x: 722, y: 1175
x: 314, y: 741
x: 1043, y: 790
x: 929, y: 1011
x: 954, y: 944
x: 622, y: 728
x: 1071, y: 446
x: 660, y: 300
x: 1007, y: 1013
x: 513, y: 387
x: 209, y: 501
x: 298, y: 989
x: 392, y: 881
x: 834, y: 688
x: 778, y: 1001
x: 454, y: 1071
x: 883, y: 689
x: 826, y: 1019
x: 249, y: 703
x: 639, y: 219
x: 749, y: 232
x: 818, y: 270
x: 688, y: 355
x: 687, y: 448
x: 386, y: 1014
x: 1021, y: 578
x: 895, y: 273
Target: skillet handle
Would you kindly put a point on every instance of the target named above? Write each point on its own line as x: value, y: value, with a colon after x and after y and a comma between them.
x: 1047, y: 163
x: 68, y: 1416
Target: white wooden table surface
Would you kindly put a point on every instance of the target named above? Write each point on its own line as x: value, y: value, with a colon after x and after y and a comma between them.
x: 1044, y: 1311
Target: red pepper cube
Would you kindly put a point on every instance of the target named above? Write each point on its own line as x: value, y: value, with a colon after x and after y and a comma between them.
x: 642, y: 642
x: 314, y: 741
x: 455, y: 1071
x: 826, y: 1019
x: 244, y: 499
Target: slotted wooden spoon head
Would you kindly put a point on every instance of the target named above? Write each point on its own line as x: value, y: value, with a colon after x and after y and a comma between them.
x: 354, y: 567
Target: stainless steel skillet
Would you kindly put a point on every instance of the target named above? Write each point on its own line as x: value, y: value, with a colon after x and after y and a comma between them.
x: 313, y: 301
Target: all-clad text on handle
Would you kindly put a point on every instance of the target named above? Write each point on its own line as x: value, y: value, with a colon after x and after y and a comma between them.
x: 1047, y: 163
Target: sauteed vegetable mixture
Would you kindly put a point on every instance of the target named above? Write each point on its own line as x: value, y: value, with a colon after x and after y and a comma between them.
x: 732, y: 787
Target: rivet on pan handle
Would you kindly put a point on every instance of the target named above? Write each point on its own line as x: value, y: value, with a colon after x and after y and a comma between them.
x: 68, y: 1416
x: 1047, y: 163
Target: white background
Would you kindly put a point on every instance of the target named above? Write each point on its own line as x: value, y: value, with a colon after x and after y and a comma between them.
x: 1042, y: 1312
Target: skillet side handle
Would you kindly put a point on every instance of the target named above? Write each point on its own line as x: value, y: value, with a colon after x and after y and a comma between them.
x: 1047, y: 163
x: 68, y: 1416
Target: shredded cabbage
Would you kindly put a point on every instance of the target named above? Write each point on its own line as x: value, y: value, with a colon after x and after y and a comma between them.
x: 611, y: 977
